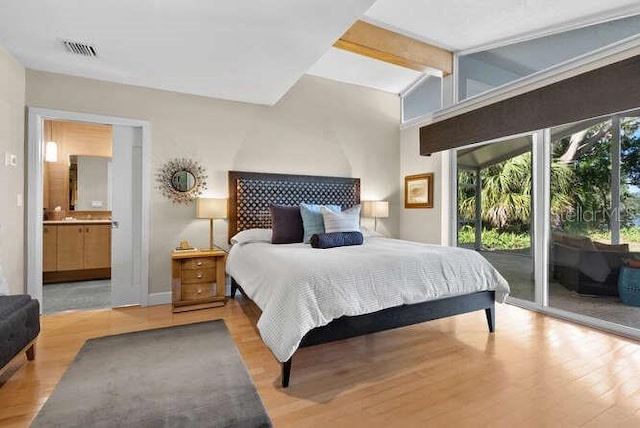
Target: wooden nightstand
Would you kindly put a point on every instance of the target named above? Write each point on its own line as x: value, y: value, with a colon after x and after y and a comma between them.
x: 197, y: 279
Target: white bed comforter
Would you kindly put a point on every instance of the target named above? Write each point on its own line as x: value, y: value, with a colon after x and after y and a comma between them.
x: 299, y: 288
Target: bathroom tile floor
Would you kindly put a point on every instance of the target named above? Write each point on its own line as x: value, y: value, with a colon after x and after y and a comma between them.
x: 79, y: 295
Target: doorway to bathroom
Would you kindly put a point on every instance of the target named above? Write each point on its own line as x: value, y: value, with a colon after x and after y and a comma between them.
x: 87, y: 218
x: 76, y: 240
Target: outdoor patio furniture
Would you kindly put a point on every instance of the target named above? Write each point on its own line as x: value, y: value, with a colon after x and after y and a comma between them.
x: 587, y: 267
x: 629, y: 285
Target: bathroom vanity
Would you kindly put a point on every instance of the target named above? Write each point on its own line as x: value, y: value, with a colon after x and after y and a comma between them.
x: 75, y: 250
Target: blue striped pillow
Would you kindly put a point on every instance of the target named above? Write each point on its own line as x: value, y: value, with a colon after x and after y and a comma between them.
x: 312, y: 221
x: 345, y: 221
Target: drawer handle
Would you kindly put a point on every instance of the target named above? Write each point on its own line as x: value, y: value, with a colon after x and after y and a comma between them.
x: 199, y: 290
x: 199, y: 263
x: 199, y: 275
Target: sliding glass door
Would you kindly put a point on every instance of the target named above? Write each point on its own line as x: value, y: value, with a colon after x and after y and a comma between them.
x: 495, y: 207
x: 594, y: 216
x: 557, y: 212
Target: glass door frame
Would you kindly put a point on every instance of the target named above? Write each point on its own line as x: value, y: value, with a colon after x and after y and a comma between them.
x: 541, y: 176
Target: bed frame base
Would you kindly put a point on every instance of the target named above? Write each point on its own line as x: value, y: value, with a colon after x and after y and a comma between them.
x: 386, y: 319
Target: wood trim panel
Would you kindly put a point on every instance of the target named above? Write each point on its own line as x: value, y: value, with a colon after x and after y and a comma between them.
x: 72, y: 138
x: 76, y: 275
x: 97, y: 246
x: 607, y: 90
x: 49, y: 248
x: 388, y: 46
x: 70, y: 247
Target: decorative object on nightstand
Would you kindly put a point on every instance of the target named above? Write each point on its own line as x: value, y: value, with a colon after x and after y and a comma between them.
x: 211, y: 208
x: 375, y: 209
x: 197, y: 279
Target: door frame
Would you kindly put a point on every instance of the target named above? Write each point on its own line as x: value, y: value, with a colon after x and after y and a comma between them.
x: 34, y: 218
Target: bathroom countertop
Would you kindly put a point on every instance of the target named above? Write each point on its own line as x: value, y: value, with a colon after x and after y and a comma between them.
x: 77, y: 221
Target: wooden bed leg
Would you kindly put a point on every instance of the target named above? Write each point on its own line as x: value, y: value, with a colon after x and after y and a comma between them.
x: 491, y: 318
x: 234, y: 287
x: 286, y: 372
x: 31, y: 352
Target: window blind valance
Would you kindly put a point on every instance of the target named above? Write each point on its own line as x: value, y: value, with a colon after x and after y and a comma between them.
x: 606, y: 90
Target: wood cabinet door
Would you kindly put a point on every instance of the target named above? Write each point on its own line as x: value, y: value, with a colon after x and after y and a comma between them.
x: 97, y: 246
x: 50, y: 248
x: 70, y: 247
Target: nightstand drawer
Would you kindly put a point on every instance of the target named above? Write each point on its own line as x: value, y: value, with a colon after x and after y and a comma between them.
x: 197, y: 279
x: 197, y: 291
x: 198, y: 275
x: 199, y: 263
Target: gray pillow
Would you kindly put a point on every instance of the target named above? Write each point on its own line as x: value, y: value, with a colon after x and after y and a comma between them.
x: 286, y: 223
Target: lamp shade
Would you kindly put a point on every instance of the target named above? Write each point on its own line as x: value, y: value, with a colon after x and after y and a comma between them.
x: 376, y: 209
x: 211, y: 208
x: 51, y: 152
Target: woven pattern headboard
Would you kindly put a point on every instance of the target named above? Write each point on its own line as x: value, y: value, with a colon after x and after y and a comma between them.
x: 251, y: 193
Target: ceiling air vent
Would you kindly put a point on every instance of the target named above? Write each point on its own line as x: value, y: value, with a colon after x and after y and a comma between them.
x: 79, y: 48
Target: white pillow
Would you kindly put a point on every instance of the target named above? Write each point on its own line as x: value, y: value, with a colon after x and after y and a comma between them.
x: 344, y: 221
x: 251, y: 235
x: 368, y: 233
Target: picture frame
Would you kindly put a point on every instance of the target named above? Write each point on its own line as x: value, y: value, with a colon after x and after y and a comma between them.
x: 418, y: 191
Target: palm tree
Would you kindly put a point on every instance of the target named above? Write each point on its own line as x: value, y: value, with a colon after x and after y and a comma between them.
x: 507, y: 193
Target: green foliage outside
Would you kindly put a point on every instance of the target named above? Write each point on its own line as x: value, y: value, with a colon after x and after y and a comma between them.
x: 493, y: 239
x: 580, y: 190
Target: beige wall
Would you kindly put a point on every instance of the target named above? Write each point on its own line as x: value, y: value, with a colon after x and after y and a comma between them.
x: 424, y: 224
x: 12, y: 101
x: 320, y: 127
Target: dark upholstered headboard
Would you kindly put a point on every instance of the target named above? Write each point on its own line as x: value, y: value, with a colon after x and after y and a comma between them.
x: 250, y: 194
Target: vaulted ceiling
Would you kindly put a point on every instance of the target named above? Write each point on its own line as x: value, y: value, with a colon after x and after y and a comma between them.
x: 254, y: 51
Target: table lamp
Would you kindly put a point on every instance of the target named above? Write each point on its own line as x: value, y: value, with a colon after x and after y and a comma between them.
x: 211, y: 208
x: 375, y: 209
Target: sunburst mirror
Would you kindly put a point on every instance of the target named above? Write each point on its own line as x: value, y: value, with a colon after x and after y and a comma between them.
x: 181, y: 180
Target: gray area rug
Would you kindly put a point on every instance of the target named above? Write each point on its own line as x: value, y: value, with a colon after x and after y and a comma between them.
x: 183, y: 376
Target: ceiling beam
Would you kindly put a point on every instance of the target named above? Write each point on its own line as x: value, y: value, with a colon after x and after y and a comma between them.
x: 385, y: 45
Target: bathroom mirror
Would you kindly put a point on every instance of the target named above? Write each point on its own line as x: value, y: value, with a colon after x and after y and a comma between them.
x: 181, y: 180
x: 89, y: 183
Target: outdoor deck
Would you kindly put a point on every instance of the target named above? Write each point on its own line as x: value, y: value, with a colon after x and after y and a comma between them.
x: 517, y: 268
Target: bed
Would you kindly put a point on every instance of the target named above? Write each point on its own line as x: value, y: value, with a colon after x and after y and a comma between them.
x: 312, y: 296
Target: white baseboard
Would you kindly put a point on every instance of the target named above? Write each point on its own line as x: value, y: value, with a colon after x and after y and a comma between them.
x: 159, y: 298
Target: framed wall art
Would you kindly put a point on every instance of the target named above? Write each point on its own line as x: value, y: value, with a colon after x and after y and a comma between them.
x: 418, y: 191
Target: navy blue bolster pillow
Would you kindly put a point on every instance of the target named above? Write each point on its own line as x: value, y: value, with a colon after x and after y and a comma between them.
x: 336, y: 239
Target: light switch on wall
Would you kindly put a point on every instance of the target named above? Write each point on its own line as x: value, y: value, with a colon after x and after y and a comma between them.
x: 10, y: 159
x: 19, y: 200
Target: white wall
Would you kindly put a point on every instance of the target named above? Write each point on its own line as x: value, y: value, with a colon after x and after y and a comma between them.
x: 424, y: 224
x: 12, y: 101
x: 320, y: 127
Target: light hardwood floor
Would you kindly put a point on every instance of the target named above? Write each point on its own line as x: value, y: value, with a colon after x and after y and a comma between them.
x: 534, y: 371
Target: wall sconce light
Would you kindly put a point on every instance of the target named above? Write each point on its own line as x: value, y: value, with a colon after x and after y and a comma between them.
x: 211, y: 208
x: 51, y: 148
x: 375, y: 209
x: 51, y: 152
